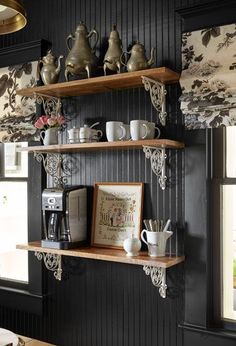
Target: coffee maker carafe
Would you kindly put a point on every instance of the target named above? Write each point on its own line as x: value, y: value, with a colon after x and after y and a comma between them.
x: 64, y: 217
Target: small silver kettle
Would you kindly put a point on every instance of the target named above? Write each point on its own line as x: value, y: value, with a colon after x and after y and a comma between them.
x: 138, y: 60
x: 51, y: 68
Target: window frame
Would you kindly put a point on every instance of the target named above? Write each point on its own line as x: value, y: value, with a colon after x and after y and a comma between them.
x: 28, y: 297
x: 218, y: 180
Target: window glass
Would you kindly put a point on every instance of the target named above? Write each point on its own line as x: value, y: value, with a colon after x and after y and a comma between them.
x: 230, y: 151
x: 229, y: 252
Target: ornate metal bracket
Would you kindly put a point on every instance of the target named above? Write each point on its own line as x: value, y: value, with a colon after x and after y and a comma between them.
x: 58, y: 166
x: 52, y: 262
x: 158, y: 163
x: 158, y: 93
x: 51, y: 105
x: 158, y: 277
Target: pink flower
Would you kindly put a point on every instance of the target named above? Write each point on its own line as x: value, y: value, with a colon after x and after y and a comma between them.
x: 61, y: 120
x: 41, y: 122
x: 46, y: 121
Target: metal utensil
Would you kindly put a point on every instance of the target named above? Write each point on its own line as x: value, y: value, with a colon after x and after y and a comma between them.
x: 146, y: 223
x: 151, y: 225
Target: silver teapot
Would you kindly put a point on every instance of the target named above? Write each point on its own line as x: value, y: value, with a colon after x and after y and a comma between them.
x: 50, y: 69
x: 138, y: 60
x: 114, y: 51
x: 81, y: 57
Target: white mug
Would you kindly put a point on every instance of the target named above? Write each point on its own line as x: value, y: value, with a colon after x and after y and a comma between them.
x: 152, y: 129
x: 139, y: 129
x: 127, y: 132
x: 115, y: 131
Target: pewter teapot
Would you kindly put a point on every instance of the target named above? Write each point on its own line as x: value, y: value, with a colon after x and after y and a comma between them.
x: 81, y: 57
x: 138, y: 60
x: 112, y: 57
x: 51, y: 68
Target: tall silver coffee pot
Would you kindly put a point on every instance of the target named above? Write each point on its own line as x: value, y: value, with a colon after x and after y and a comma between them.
x: 112, y: 57
x: 81, y: 57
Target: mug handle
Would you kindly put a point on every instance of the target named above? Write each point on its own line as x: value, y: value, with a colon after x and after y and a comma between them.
x: 123, y: 133
x: 142, y: 236
x: 100, y: 133
x: 42, y: 134
x: 147, y: 131
x: 159, y: 132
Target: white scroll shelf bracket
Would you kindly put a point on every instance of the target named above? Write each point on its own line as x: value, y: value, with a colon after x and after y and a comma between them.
x: 52, y: 262
x: 157, y: 93
x: 59, y: 167
x: 157, y: 157
x: 158, y: 277
x: 51, y: 105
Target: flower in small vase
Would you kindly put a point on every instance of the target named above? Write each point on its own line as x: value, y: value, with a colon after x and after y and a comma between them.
x: 45, y: 121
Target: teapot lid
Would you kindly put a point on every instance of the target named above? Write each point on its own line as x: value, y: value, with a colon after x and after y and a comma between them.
x: 137, y: 46
x: 114, y: 33
x: 49, y: 56
x: 81, y: 27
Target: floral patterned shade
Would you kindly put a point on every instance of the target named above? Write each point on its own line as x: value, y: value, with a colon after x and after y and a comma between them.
x: 17, y: 114
x: 208, y: 78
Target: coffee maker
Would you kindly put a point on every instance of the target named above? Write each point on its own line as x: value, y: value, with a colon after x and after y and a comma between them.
x: 64, y: 213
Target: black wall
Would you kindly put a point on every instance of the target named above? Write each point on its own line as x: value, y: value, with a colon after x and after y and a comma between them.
x: 99, y: 303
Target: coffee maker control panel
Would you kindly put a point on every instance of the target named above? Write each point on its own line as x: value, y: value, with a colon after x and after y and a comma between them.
x: 52, y: 199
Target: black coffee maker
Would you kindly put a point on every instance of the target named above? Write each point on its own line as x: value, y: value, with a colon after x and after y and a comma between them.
x: 64, y: 217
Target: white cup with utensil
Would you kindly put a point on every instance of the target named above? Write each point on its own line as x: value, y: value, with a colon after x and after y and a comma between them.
x: 115, y: 131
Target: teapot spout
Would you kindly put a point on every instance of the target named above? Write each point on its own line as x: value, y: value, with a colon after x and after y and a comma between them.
x: 58, y: 69
x: 151, y: 60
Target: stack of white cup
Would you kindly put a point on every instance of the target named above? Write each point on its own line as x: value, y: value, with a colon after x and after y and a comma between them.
x: 137, y: 130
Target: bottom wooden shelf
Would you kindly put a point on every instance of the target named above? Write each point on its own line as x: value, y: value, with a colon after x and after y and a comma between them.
x: 103, y: 254
x: 153, y: 267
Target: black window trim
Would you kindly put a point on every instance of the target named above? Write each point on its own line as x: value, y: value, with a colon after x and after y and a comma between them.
x: 28, y: 297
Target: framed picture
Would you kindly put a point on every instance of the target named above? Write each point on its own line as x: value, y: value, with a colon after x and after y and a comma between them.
x: 117, y: 213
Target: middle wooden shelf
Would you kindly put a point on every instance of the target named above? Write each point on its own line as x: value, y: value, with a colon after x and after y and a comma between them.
x: 98, y: 146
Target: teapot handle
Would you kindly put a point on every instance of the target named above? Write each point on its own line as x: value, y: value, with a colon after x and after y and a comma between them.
x: 70, y: 37
x: 94, y: 31
x: 123, y: 53
x: 38, y: 68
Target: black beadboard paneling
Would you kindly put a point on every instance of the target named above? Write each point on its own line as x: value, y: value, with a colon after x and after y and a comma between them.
x: 100, y: 303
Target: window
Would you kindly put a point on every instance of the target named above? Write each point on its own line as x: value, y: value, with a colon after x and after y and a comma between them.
x: 228, y: 224
x: 13, y: 213
x: 20, y: 221
x: 223, y: 216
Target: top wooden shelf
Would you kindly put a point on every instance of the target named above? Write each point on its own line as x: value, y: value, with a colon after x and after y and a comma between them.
x: 103, y: 254
x: 102, y: 84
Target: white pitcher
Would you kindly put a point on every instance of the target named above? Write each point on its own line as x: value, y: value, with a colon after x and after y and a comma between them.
x: 156, y: 242
x: 49, y: 136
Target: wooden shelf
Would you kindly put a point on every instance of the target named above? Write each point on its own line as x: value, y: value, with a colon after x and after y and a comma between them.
x: 111, y: 255
x: 103, y: 84
x: 98, y: 146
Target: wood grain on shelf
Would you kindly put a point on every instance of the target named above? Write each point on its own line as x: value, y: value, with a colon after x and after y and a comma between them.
x: 103, y: 254
x: 33, y: 342
x: 69, y: 148
x: 103, y: 84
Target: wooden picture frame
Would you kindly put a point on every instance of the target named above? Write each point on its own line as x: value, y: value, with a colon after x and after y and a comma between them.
x: 117, y: 213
